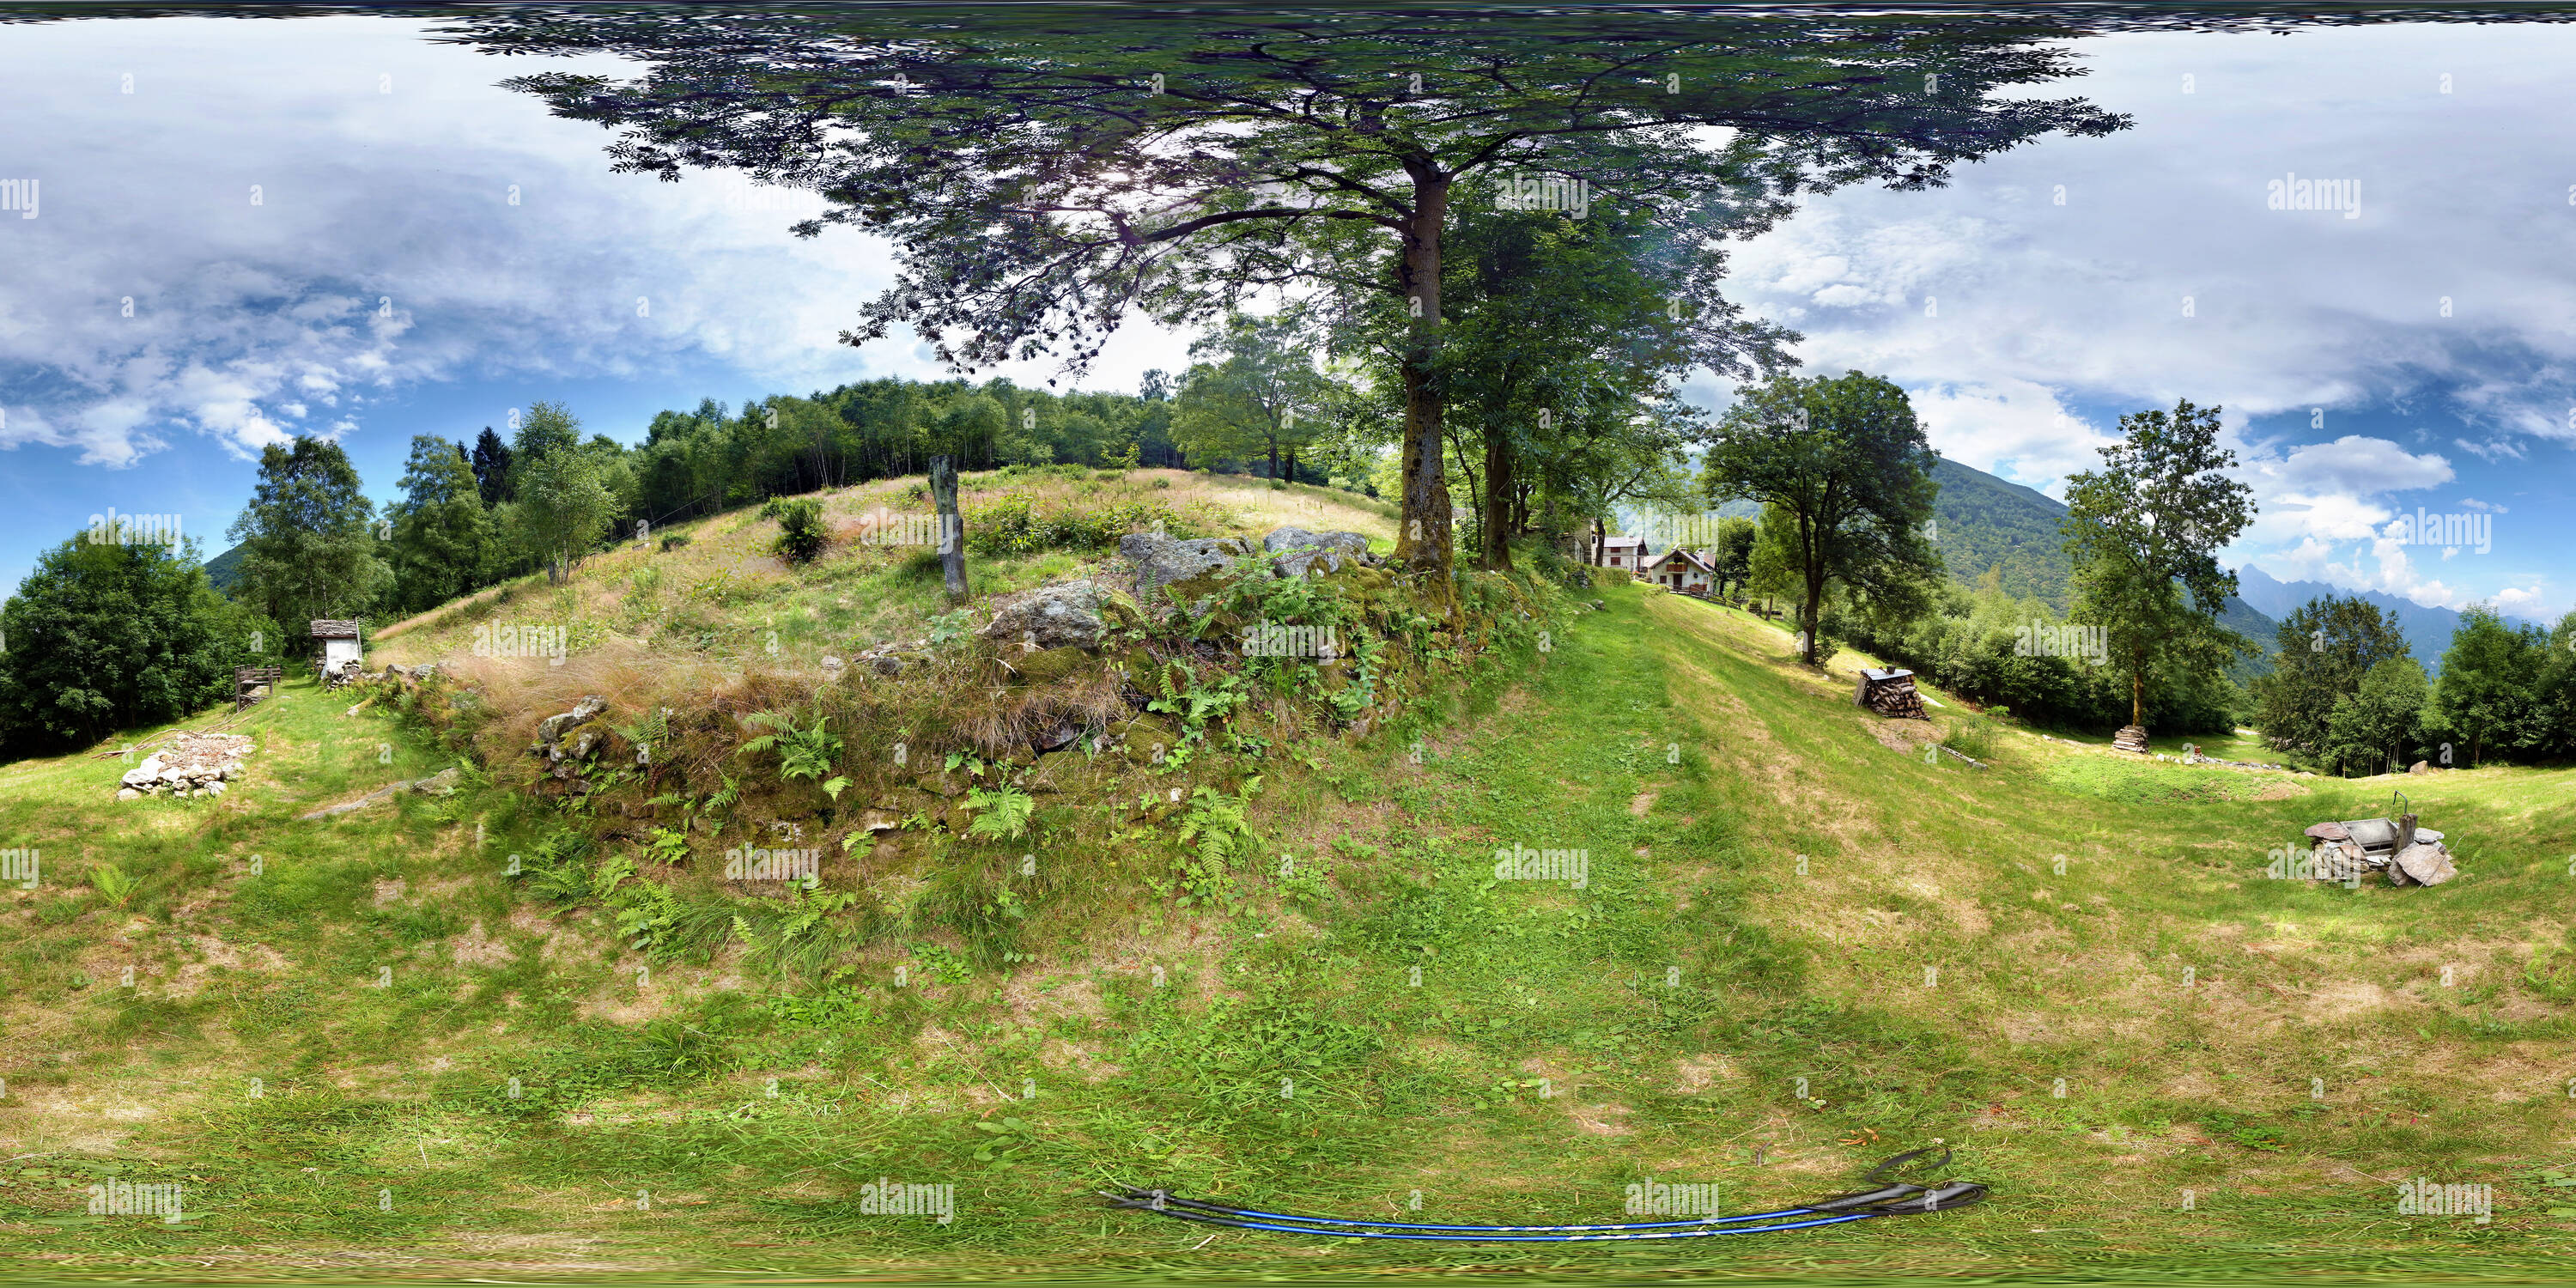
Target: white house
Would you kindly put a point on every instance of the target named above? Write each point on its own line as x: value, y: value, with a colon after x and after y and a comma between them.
x: 1623, y: 552
x: 1682, y: 569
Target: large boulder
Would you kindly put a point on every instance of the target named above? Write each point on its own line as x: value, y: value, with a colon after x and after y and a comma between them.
x: 1295, y: 551
x: 1160, y: 561
x: 1068, y: 614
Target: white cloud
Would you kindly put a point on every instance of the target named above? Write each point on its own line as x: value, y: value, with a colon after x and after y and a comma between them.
x: 248, y: 318
x: 2016, y: 429
x: 2355, y: 466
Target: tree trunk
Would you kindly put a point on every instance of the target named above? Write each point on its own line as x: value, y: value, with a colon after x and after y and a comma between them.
x: 1292, y: 465
x: 1814, y: 610
x: 2138, y: 691
x: 952, y: 527
x: 1496, y: 528
x: 1422, y: 537
x: 1600, y: 540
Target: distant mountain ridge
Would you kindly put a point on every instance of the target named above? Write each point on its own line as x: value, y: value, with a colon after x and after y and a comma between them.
x: 2427, y: 629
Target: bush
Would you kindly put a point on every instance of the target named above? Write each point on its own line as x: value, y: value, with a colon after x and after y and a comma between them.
x: 801, y: 534
x: 1011, y: 526
x: 1163, y: 483
x: 675, y: 541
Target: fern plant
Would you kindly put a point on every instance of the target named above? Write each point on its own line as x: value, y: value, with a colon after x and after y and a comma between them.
x: 1001, y: 814
x: 802, y: 753
x: 114, y: 883
x: 1194, y: 703
x: 1214, y: 832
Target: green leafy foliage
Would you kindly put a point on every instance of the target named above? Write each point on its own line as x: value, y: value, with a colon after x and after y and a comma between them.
x: 103, y: 636
x: 1214, y: 835
x: 2228, y: 1128
x: 1195, y: 700
x: 1014, y: 525
x: 1001, y: 813
x: 802, y: 753
x: 114, y: 884
x: 801, y: 531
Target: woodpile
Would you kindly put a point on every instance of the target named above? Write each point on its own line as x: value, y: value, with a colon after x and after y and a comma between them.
x: 2131, y: 738
x: 1891, y: 694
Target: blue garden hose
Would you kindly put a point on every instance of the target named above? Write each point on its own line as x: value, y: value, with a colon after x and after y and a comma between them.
x: 1892, y: 1199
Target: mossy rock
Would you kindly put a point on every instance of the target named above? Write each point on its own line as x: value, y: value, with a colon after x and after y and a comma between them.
x: 589, y: 738
x: 1193, y: 592
x: 1137, y: 663
x: 1143, y: 733
x: 1047, y: 665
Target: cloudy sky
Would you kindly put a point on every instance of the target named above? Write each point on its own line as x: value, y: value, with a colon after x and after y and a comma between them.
x: 253, y: 230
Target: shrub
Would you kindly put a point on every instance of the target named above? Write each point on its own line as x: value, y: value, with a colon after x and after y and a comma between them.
x: 1012, y: 526
x: 675, y: 540
x: 801, y: 534
x: 1163, y: 483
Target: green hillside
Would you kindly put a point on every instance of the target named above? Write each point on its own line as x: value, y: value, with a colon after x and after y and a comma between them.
x: 1280, y: 969
x: 225, y: 569
x: 1988, y: 523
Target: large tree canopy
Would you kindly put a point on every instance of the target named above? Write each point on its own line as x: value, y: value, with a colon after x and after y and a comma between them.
x: 308, y: 545
x: 105, y: 637
x: 1844, y: 476
x: 2145, y: 531
x: 1044, y: 171
x: 2325, y: 648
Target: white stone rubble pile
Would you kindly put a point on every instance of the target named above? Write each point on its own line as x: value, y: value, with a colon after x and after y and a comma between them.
x: 190, y: 764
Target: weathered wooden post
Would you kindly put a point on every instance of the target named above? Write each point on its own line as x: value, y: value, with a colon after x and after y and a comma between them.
x: 952, y: 528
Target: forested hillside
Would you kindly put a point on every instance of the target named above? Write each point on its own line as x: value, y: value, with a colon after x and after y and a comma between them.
x: 1990, y: 524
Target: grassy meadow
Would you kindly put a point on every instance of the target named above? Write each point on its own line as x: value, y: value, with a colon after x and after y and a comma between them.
x: 1802, y: 944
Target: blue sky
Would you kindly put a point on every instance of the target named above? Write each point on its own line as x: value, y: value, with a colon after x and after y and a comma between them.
x: 386, y: 284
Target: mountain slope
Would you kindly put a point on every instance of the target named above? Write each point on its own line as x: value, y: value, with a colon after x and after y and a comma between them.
x: 2427, y: 629
x: 225, y: 569
x: 1989, y: 523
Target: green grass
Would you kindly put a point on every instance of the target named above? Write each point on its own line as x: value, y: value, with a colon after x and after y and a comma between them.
x: 1672, y: 743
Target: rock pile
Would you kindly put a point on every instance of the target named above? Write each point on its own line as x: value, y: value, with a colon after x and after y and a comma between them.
x: 1160, y: 561
x: 564, y: 739
x: 2360, y: 845
x: 1292, y: 552
x: 193, y: 764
